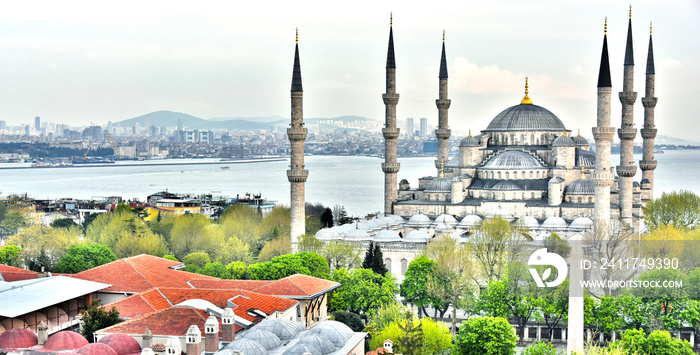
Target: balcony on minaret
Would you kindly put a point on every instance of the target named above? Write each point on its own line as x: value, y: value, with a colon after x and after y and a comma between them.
x: 648, y: 133
x: 626, y: 170
x: 603, y: 133
x: 390, y: 99
x: 443, y: 133
x: 649, y: 101
x: 602, y: 178
x: 390, y: 132
x: 297, y: 175
x: 296, y: 134
x: 443, y: 103
x: 391, y: 167
x: 628, y: 98
x: 627, y: 133
x: 647, y: 164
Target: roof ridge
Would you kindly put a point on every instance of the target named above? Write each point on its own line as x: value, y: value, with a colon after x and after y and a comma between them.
x: 138, y: 272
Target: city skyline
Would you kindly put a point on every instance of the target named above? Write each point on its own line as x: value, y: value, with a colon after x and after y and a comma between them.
x: 80, y: 62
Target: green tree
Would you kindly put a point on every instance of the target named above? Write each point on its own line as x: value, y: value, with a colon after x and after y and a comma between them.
x: 308, y: 242
x: 341, y: 254
x: 14, y: 221
x: 485, y: 336
x: 11, y: 255
x: 540, y: 348
x: 80, y: 257
x: 194, y: 233
x: 96, y: 317
x: 387, y: 314
x: 66, y: 223
x: 306, y: 263
x: 215, y: 269
x: 350, y: 319
x: 451, y: 280
x: 374, y: 259
x: 163, y: 226
x: 89, y: 219
x: 277, y: 247
x: 198, y: 259
x: 42, y: 247
x: 327, y: 218
x: 680, y: 209
x: 494, y: 245
x: 657, y: 343
x: 435, y: 337
x: 125, y: 233
x: 602, y: 315
x: 554, y: 306
x: 237, y: 269
x: 362, y: 291
x: 411, y: 341
x: 414, y: 287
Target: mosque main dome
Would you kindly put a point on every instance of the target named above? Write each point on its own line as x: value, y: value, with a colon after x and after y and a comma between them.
x: 525, y: 117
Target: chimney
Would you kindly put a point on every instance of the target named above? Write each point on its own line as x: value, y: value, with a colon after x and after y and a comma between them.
x: 193, y: 340
x: 173, y: 346
x: 146, y: 339
x: 42, y: 331
x: 228, y: 326
x: 211, y: 333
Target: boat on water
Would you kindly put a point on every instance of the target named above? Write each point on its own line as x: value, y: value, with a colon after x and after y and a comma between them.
x: 225, y: 167
x: 658, y: 151
x: 91, y: 161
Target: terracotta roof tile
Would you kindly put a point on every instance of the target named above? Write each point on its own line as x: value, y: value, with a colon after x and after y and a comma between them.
x: 140, y: 273
x: 11, y: 273
x: 173, y: 321
x: 298, y: 286
x: 158, y: 348
x: 249, y: 285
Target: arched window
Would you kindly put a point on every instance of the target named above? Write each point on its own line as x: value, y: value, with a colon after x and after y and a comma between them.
x: 507, y: 175
x: 404, y: 266
x: 499, y: 175
x: 531, y: 175
x: 538, y: 174
x: 579, y: 200
x: 590, y: 199
x: 543, y: 140
x: 522, y: 175
x: 387, y: 263
x: 533, y: 195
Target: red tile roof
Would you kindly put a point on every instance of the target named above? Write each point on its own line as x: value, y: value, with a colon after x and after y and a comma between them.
x: 140, y: 273
x: 173, y: 321
x: 158, y: 348
x: 298, y: 286
x: 294, y: 286
x: 11, y: 273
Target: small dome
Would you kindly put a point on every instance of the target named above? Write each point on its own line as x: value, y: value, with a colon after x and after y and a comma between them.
x: 526, y: 117
x: 264, y: 338
x: 396, y: 218
x: 65, y: 340
x: 441, y: 227
x: 563, y: 141
x: 97, y: 349
x: 121, y: 343
x: 327, y: 234
x: 403, y: 181
x: 418, y: 221
x: 581, y: 223
x: 499, y: 211
x: 470, y: 221
x: 440, y: 184
x: 338, y: 333
x: 513, y: 159
x: 580, y: 141
x: 285, y: 330
x: 580, y: 187
x: 417, y: 236
x: 387, y: 236
x: 469, y: 141
x: 247, y: 346
x: 319, y: 343
x: 17, y: 338
x: 301, y: 349
x: 528, y: 222
x: 554, y: 223
x: 447, y: 219
x: 506, y: 185
x: 357, y: 235
x: 556, y: 180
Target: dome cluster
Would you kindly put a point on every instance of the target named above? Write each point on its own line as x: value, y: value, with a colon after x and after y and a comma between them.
x: 267, y: 336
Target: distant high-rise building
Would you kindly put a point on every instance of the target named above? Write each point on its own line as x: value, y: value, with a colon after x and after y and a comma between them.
x: 37, y: 123
x: 27, y: 130
x: 3, y: 125
x: 409, y: 127
x: 423, y: 127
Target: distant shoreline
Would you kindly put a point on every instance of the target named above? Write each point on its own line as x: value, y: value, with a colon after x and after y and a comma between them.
x: 219, y: 162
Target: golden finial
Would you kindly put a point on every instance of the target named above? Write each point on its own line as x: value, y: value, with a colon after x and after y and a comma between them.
x: 649, y: 28
x: 442, y: 167
x: 391, y: 19
x: 526, y: 100
x: 606, y: 25
x: 583, y: 171
x: 443, y: 36
x: 297, y: 35
x: 470, y: 133
x: 579, y: 132
x: 630, y: 11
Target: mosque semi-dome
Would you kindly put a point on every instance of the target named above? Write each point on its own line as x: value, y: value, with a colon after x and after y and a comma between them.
x: 513, y: 159
x: 563, y: 141
x: 581, y: 187
x: 469, y: 141
x: 525, y: 117
x: 440, y: 184
x: 506, y: 185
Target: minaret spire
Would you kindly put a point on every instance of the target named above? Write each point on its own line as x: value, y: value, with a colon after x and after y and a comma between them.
x: 297, y: 174
x: 390, y: 166
x: 626, y: 170
x: 603, y: 133
x: 648, y: 163
x: 443, y: 131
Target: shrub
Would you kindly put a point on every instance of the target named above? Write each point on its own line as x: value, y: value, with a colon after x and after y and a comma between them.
x: 485, y: 336
x: 352, y: 320
x: 540, y: 348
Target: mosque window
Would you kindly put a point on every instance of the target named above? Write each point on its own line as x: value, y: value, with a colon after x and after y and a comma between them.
x: 387, y: 263
x: 499, y: 175
x: 579, y: 200
x: 590, y: 199
x: 404, y: 266
x: 507, y: 175
x: 533, y: 195
x: 531, y: 175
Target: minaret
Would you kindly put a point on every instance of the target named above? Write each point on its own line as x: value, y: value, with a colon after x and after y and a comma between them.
x: 626, y: 170
x: 297, y: 135
x: 390, y: 166
x: 443, y: 104
x: 603, y: 134
x: 648, y: 164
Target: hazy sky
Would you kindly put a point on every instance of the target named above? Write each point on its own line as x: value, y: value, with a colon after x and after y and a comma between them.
x: 93, y: 61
